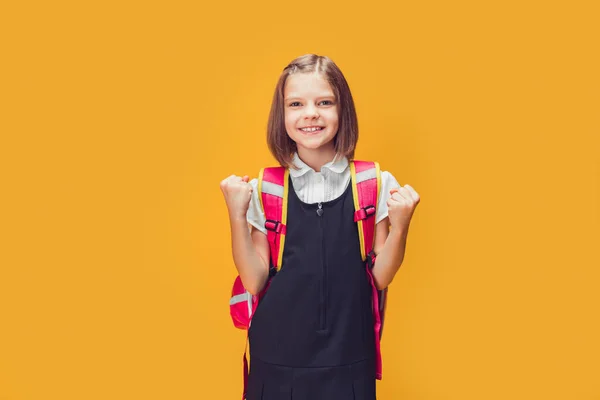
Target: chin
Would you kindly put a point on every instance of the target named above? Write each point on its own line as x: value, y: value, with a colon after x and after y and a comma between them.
x: 312, y: 145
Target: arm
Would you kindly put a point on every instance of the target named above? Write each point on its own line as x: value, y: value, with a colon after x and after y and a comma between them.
x: 250, y: 250
x: 250, y: 254
x: 389, y: 247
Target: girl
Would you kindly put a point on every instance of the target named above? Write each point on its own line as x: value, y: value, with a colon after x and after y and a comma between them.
x: 312, y: 333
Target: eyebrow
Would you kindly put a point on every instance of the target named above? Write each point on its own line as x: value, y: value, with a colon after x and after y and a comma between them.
x: 318, y: 97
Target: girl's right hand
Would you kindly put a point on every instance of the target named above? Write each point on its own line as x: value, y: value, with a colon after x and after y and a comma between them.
x: 237, y: 192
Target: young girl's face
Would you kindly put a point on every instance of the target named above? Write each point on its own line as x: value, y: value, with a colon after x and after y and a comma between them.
x: 311, y: 112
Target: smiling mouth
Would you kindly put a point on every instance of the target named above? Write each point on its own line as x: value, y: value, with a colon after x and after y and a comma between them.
x: 311, y: 129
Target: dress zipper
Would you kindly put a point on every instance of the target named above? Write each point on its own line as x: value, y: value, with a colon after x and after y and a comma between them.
x: 323, y: 320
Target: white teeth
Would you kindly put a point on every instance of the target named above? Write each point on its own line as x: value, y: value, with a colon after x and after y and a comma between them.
x: 310, y: 129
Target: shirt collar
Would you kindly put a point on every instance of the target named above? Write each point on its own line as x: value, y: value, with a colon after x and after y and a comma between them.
x: 337, y: 165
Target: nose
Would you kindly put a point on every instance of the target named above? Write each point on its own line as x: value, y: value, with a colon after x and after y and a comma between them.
x: 311, y: 112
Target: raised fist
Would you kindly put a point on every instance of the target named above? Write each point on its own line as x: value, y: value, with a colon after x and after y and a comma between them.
x: 237, y: 192
x: 401, y: 206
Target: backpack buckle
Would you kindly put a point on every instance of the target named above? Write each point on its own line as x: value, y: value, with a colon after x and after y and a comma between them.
x: 371, y: 259
x: 364, y: 213
x: 275, y: 226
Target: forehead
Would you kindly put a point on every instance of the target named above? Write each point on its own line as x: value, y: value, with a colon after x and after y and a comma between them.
x: 307, y: 85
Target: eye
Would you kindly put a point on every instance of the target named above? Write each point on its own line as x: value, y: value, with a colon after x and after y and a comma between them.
x: 292, y: 104
x: 329, y: 102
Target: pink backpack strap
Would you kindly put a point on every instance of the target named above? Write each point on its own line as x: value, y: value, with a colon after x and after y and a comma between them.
x: 273, y: 194
x: 366, y: 182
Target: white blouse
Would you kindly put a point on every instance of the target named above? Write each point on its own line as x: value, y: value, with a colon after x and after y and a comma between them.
x: 315, y: 187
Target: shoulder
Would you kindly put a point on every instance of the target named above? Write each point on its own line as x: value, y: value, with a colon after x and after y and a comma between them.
x: 387, y: 178
x: 387, y: 183
x: 255, y: 215
x: 272, y: 173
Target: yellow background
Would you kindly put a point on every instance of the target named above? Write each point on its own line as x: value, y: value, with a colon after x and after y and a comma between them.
x: 119, y: 119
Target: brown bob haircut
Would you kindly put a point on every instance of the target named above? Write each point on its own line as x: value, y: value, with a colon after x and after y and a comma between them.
x: 280, y: 144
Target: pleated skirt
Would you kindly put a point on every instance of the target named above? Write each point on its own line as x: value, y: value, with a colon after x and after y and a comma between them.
x: 348, y: 382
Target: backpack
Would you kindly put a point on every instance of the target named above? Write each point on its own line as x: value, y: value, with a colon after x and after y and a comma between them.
x: 273, y: 194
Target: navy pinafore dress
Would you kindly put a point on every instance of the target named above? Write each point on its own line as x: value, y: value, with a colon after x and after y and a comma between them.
x: 311, y: 337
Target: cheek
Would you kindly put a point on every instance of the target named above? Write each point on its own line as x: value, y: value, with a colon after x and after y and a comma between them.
x: 290, y: 126
x: 334, y: 124
x: 332, y: 117
x: 290, y: 118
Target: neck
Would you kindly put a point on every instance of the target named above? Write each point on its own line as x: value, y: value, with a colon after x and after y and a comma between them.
x: 316, y: 158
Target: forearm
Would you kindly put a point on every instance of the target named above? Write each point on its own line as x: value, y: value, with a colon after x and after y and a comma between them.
x: 252, y: 269
x: 390, y: 258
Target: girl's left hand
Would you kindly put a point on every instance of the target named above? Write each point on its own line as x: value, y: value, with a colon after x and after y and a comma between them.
x: 401, y: 206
